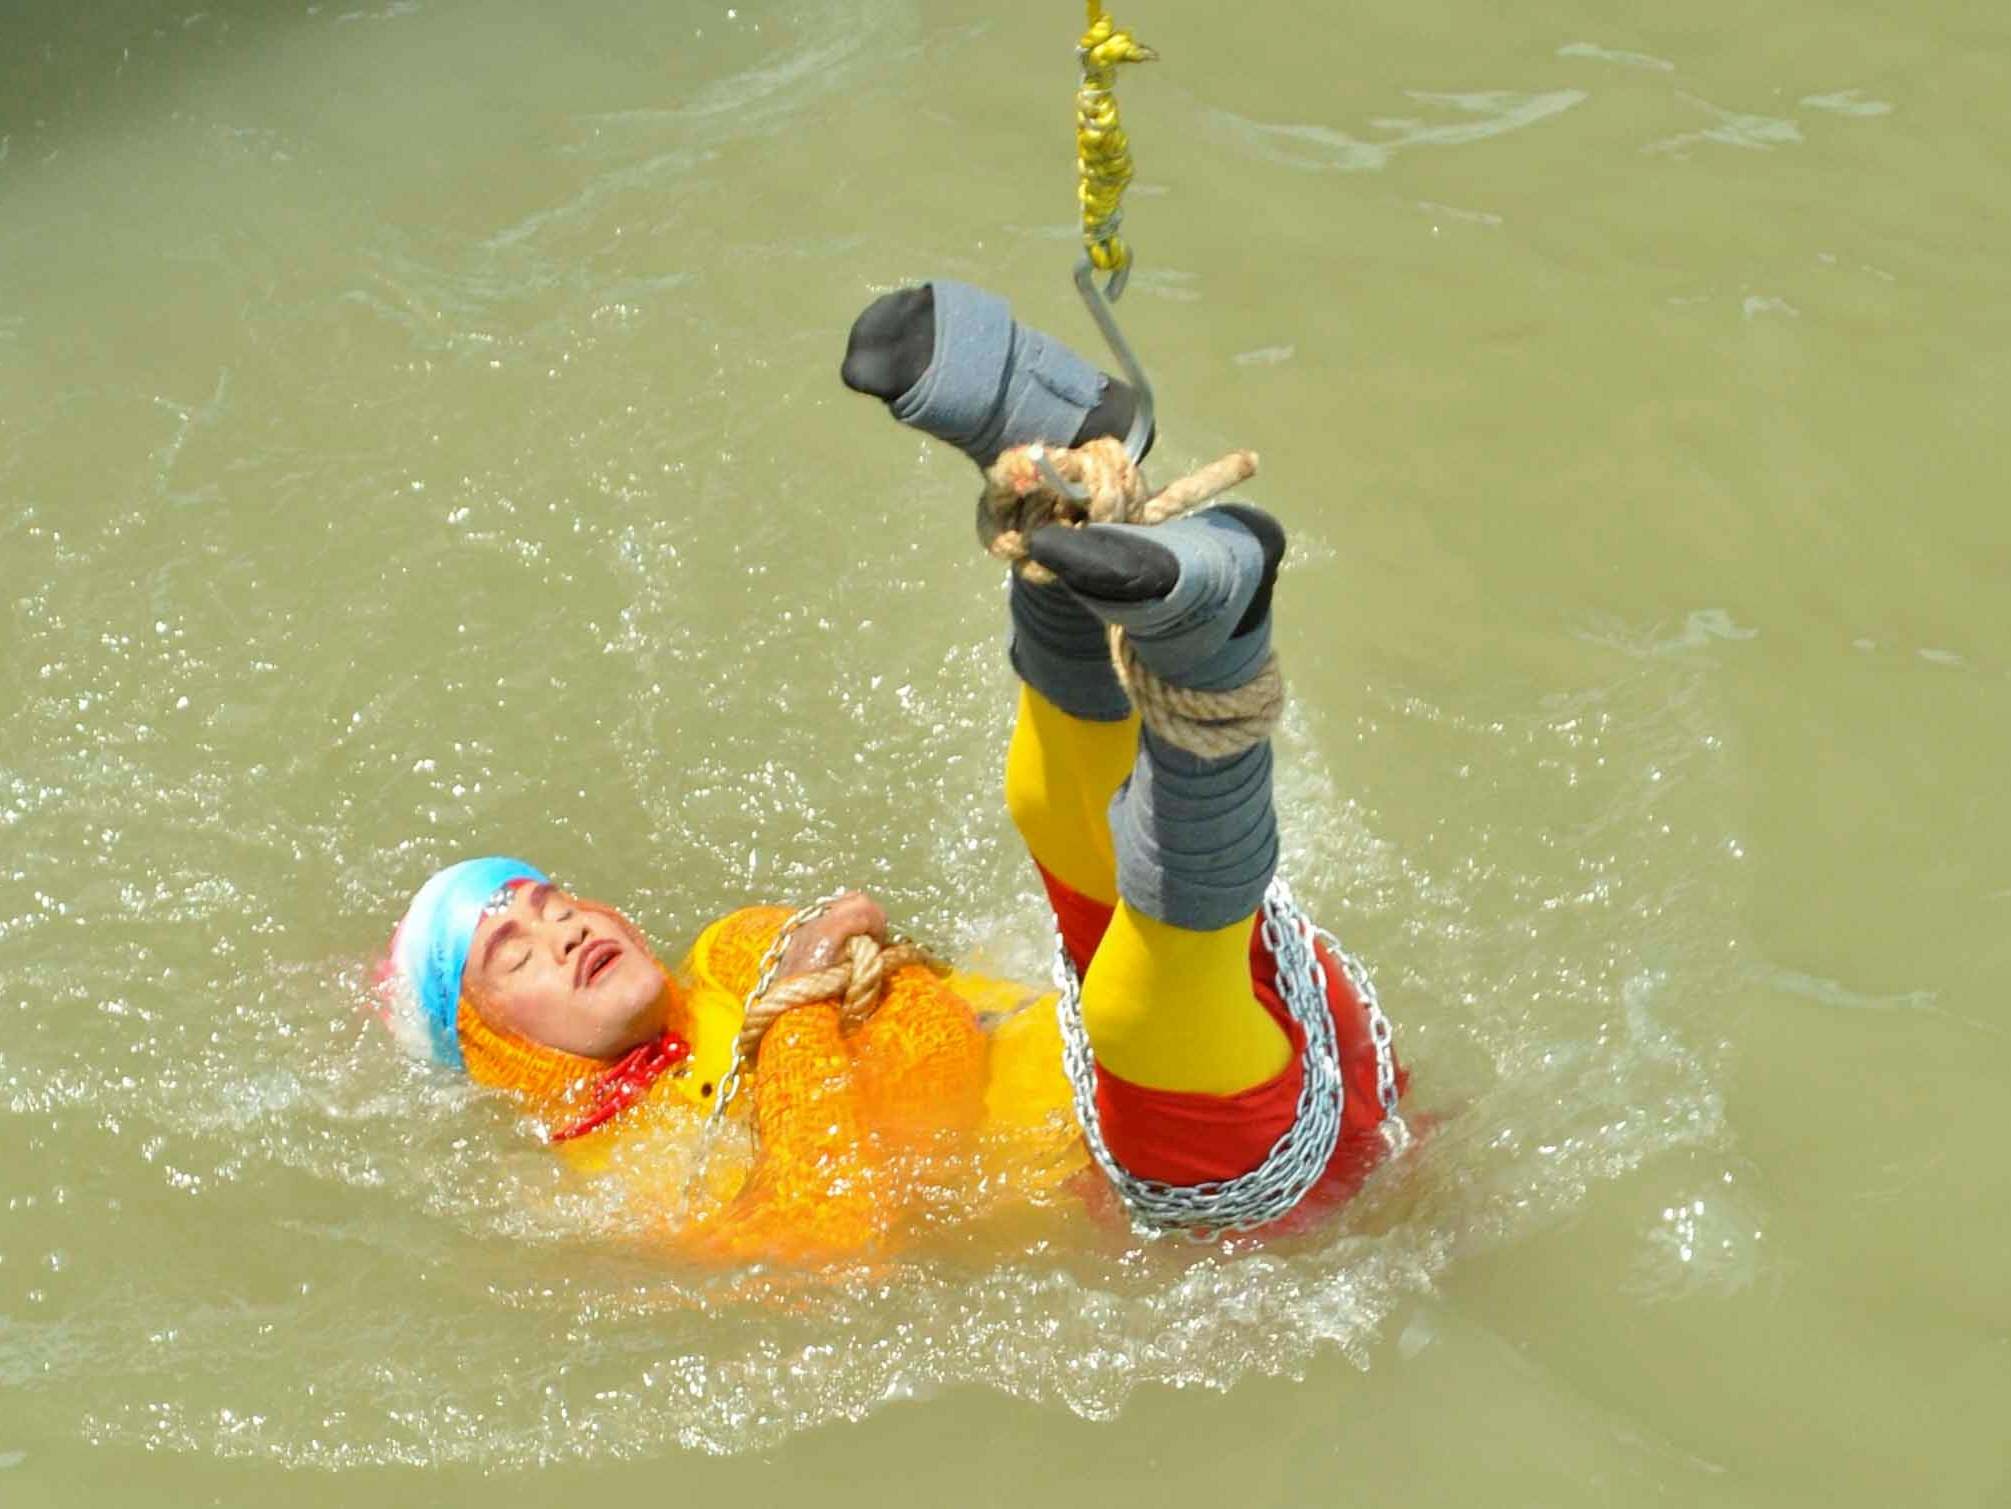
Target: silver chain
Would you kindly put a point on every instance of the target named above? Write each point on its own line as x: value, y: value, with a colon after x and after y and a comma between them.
x: 1395, y: 1131
x: 729, y: 1082
x: 1298, y: 1158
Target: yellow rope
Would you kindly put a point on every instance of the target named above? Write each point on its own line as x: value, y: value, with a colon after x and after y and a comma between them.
x: 1102, y: 151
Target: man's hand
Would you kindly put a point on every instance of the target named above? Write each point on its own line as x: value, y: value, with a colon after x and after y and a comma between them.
x: 817, y: 943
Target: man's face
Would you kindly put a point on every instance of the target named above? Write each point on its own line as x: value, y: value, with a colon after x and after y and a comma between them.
x: 570, y: 974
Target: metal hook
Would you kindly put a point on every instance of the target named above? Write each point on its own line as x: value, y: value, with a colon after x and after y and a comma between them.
x: 1099, y: 309
x: 1114, y: 289
x: 1075, y: 492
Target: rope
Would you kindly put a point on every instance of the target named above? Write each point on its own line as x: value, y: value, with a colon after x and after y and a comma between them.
x: 1019, y: 498
x: 1214, y: 725
x: 1102, y: 151
x: 855, y: 981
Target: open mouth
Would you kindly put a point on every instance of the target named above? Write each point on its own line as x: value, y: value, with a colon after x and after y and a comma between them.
x: 595, y: 960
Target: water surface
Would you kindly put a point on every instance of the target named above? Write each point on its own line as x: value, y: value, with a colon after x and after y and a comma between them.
x: 419, y: 434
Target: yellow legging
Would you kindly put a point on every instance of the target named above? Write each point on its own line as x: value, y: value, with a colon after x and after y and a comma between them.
x: 1164, y: 1007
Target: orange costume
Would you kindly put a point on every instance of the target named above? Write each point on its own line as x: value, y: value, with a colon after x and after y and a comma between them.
x: 919, y: 1114
x: 950, y: 1101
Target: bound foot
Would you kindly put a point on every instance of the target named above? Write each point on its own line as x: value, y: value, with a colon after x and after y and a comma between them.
x: 1193, y: 595
x: 950, y: 360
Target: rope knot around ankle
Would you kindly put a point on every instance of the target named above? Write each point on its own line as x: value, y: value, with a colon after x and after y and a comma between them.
x: 1214, y: 725
x: 1019, y: 498
x: 855, y: 981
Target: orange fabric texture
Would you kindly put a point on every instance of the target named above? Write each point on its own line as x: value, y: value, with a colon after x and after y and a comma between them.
x: 847, y: 1123
x: 553, y: 1084
x: 857, y: 1135
x: 854, y: 1129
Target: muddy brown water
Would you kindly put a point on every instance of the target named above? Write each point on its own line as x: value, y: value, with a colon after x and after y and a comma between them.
x: 419, y: 434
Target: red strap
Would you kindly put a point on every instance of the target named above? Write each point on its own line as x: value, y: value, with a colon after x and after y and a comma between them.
x: 627, y: 1081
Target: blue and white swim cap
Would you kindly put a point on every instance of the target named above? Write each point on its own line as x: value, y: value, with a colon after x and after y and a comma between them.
x: 430, y: 950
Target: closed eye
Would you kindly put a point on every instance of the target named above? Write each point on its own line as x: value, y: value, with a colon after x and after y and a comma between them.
x: 509, y: 932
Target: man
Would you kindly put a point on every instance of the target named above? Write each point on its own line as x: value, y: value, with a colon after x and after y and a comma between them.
x: 951, y: 1098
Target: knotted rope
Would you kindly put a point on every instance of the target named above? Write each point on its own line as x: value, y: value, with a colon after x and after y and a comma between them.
x: 1019, y: 498
x: 854, y: 981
